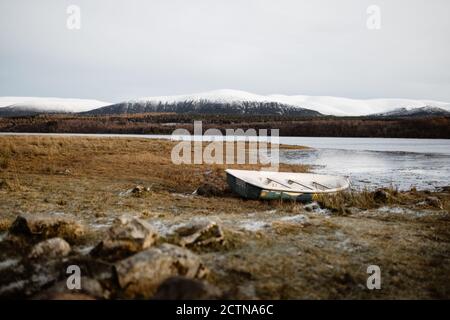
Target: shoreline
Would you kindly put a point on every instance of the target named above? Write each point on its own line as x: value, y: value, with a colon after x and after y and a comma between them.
x: 325, y: 247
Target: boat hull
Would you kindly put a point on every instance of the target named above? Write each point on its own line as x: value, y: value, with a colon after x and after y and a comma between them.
x: 249, y: 191
x: 243, y: 188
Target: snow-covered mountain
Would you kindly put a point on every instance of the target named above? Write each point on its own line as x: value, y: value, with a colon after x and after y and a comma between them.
x: 221, y: 101
x: 245, y: 102
x: 414, y: 112
x: 21, y: 106
x: 216, y: 102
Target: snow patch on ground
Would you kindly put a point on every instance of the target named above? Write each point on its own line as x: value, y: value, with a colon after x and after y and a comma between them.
x: 18, y: 285
x: 299, y: 218
x: 408, y: 212
x: 253, y: 225
x: 8, y: 263
x: 164, y: 229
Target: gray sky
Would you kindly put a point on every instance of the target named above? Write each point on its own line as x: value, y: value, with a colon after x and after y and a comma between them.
x: 136, y: 48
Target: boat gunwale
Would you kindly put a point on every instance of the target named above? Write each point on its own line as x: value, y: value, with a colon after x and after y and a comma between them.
x: 334, y: 190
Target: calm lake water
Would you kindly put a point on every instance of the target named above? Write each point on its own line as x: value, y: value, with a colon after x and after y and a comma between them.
x: 369, y: 162
x: 373, y: 162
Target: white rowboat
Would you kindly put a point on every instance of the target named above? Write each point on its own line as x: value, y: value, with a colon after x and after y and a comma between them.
x: 283, y: 185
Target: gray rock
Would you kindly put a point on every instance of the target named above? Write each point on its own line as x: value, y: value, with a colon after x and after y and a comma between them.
x: 29, y: 278
x: 46, y: 226
x: 89, y: 287
x: 126, y: 236
x: 141, y: 274
x: 50, y: 248
x: 199, y: 232
x: 181, y: 288
x: 97, y: 269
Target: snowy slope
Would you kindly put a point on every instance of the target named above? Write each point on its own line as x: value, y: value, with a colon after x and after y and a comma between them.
x: 213, y: 102
x: 33, y: 105
x: 414, y: 112
x: 221, y: 100
x: 324, y: 104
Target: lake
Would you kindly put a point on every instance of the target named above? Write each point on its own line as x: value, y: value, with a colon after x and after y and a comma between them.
x: 376, y: 162
x: 369, y: 162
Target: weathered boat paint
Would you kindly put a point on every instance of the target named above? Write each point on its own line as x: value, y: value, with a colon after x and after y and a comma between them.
x: 250, y: 191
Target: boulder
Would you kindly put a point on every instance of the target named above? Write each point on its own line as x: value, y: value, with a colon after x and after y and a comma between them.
x: 98, y: 269
x: 199, y: 232
x: 127, y: 236
x: 29, y: 277
x: 46, y: 226
x: 50, y: 248
x: 140, y: 275
x: 181, y: 288
x: 89, y: 288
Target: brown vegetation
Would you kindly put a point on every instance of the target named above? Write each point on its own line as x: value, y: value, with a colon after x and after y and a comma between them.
x: 156, y: 123
x: 326, y: 256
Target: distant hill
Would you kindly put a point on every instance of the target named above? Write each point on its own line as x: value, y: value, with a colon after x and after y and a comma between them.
x: 27, y: 106
x: 241, y: 102
x: 206, y: 107
x: 426, y: 111
x: 231, y: 102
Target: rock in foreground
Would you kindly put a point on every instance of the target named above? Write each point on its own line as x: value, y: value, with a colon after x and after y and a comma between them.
x: 140, y: 275
x: 90, y: 289
x: 41, y: 227
x: 181, y: 288
x: 199, y: 232
x: 127, y: 236
x: 51, y: 248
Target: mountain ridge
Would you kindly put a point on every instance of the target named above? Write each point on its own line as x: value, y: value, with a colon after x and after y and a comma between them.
x: 206, y: 107
x: 24, y: 106
x: 225, y: 101
x: 415, y: 112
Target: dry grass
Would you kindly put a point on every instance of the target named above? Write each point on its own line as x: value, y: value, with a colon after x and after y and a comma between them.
x: 87, y: 179
x: 5, y: 224
x: 340, y: 202
x: 108, y: 157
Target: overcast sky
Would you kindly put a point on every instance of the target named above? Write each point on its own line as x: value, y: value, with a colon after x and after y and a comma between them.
x: 136, y: 48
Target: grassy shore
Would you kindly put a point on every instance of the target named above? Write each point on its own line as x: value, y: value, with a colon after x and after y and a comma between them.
x: 273, y: 250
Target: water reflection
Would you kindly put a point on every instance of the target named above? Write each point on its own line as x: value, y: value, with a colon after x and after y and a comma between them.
x: 373, y: 169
